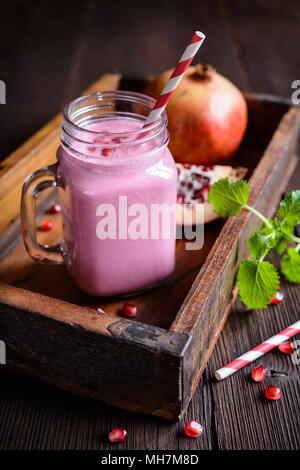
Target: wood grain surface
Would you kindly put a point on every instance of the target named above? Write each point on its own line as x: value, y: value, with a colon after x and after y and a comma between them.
x: 52, y: 339
x: 70, y: 47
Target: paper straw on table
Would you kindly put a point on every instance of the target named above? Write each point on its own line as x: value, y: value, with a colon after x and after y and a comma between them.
x: 258, y: 351
x: 175, y: 78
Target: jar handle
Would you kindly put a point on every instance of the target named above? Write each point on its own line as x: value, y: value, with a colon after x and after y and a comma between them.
x: 32, y: 187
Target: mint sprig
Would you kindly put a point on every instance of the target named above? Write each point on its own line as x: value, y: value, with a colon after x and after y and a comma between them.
x: 228, y: 196
x: 290, y: 265
x: 258, y: 280
x: 289, y: 209
x: 259, y: 245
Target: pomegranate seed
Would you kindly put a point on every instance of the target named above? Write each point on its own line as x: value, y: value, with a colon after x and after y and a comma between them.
x: 180, y: 199
x: 47, y: 225
x: 201, y: 200
x: 259, y: 373
x: 186, y: 165
x: 197, y: 194
x: 207, y: 168
x: 193, y: 429
x: 272, y: 392
x: 277, y: 298
x: 286, y: 347
x: 117, y: 140
x: 205, y: 192
x: 56, y: 209
x: 96, y: 141
x: 97, y: 308
x: 129, y: 310
x: 118, y: 435
x: 106, y: 152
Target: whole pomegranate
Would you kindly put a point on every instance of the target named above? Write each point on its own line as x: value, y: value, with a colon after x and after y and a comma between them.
x: 207, y: 115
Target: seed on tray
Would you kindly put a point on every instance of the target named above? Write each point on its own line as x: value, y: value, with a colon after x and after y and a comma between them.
x: 259, y: 373
x: 129, y: 310
x: 118, y: 435
x: 56, y: 209
x: 272, y: 392
x: 47, y: 225
x: 193, y: 429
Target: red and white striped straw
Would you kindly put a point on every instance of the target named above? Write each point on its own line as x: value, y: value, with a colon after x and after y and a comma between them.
x: 258, y: 351
x: 175, y: 78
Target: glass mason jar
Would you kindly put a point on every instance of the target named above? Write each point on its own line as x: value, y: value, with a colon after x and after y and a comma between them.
x: 117, y: 185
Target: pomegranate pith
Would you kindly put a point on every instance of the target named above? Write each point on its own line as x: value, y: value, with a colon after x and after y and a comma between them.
x: 193, y: 429
x: 193, y: 186
x: 118, y: 435
x: 272, y: 392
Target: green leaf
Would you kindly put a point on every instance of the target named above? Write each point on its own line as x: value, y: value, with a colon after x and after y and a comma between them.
x: 259, y: 245
x: 280, y: 243
x: 290, y: 265
x: 283, y: 235
x: 258, y: 282
x: 289, y: 209
x: 228, y: 196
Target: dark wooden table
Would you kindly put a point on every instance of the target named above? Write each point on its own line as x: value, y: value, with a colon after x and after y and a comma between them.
x: 49, y: 52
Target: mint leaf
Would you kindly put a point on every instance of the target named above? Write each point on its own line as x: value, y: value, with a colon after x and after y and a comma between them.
x: 258, y: 282
x: 259, y: 245
x: 290, y: 265
x: 280, y: 243
x: 228, y: 196
x: 289, y: 209
x: 283, y: 235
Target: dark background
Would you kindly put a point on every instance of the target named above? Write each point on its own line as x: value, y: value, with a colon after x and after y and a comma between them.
x: 49, y: 52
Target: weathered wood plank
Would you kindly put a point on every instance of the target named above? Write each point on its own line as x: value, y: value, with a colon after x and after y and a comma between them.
x: 254, y: 422
x: 35, y: 416
x: 200, y: 313
x: 203, y: 309
x: 71, y: 348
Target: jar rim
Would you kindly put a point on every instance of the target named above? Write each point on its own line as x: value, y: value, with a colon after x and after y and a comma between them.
x: 122, y: 95
x: 81, y: 142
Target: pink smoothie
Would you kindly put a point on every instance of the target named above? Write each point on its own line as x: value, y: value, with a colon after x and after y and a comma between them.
x: 142, y: 174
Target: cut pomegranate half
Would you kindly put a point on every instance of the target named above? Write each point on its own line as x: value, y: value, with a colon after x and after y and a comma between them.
x: 194, y: 182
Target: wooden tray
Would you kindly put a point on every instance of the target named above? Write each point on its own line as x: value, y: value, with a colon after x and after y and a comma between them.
x: 152, y: 364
